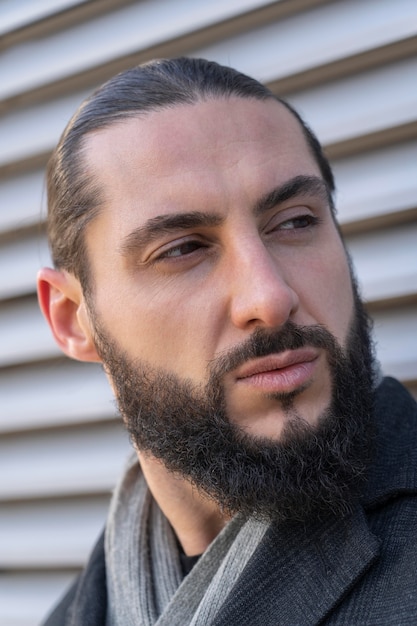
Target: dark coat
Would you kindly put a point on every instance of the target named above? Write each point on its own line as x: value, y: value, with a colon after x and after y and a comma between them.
x: 357, y: 571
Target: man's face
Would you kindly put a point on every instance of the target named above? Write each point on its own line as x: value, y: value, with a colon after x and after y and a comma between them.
x: 215, y: 224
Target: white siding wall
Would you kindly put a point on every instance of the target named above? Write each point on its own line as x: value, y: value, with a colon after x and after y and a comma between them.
x: 351, y: 69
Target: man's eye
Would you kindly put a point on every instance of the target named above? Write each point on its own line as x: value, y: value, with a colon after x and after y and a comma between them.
x: 303, y: 221
x: 180, y: 250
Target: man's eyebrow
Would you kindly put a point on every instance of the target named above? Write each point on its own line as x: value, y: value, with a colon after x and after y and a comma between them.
x: 166, y: 224
x: 171, y: 222
x: 297, y: 186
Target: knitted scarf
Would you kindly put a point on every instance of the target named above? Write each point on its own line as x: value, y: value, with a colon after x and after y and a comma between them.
x: 144, y: 580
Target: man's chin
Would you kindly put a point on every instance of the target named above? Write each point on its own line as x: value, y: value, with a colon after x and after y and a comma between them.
x: 272, y: 417
x: 308, y: 473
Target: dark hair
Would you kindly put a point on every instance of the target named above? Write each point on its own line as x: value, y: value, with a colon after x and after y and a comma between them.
x: 74, y: 198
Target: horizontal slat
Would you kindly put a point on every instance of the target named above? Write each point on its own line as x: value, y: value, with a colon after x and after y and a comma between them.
x: 76, y: 461
x: 40, y: 591
x: 354, y: 106
x: 279, y: 51
x: 374, y: 186
x: 386, y: 262
x: 361, y: 105
x: 59, y: 533
x: 56, y: 394
x: 20, y: 259
x: 94, y: 43
x: 396, y: 342
x: 26, y: 134
x: 24, y: 334
x: 22, y: 201
x: 286, y: 47
x: 16, y: 14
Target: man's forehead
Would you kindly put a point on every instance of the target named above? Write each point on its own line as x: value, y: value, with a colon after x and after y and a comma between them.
x: 202, y: 157
x: 195, y: 124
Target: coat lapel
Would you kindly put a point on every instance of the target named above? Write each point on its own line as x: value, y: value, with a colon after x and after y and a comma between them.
x: 298, y: 574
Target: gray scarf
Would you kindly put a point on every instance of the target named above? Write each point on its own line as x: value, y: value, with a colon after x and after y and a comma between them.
x: 144, y: 580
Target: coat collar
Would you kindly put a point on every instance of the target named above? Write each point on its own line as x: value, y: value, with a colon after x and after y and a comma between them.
x: 302, y: 573
x: 394, y: 470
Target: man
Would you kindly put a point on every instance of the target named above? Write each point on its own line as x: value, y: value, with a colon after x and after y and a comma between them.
x: 198, y: 258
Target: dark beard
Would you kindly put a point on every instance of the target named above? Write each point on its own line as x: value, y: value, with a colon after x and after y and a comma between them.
x: 309, y: 472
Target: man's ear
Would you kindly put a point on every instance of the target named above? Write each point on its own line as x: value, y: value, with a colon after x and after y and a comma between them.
x: 63, y: 304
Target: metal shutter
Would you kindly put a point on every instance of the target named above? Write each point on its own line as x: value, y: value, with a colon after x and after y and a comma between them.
x: 349, y: 67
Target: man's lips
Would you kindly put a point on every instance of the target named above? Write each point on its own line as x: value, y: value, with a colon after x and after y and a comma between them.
x: 279, y: 373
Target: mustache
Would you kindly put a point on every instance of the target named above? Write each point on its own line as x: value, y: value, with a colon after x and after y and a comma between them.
x: 263, y: 342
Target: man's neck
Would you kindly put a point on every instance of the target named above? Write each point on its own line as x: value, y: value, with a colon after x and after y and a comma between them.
x: 195, y: 519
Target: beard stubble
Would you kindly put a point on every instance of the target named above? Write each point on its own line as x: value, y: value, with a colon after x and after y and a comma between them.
x: 309, y: 472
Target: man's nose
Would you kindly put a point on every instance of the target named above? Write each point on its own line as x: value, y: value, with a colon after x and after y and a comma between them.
x: 259, y: 289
